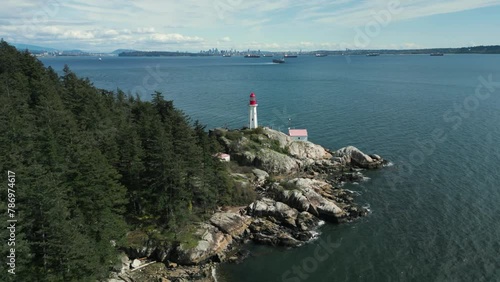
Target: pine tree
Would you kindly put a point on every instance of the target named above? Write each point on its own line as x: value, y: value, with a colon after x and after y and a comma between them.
x: 90, y: 160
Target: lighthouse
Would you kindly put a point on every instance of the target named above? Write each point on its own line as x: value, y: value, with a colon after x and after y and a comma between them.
x: 252, y: 112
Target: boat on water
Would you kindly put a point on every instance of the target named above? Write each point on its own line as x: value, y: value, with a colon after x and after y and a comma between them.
x: 267, y: 55
x: 252, y: 56
x: 279, y: 61
x: 437, y: 54
x: 290, y: 56
x: 320, y: 55
x: 372, y: 54
x: 226, y: 55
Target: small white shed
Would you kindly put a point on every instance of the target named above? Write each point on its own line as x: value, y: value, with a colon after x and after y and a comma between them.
x: 298, y: 134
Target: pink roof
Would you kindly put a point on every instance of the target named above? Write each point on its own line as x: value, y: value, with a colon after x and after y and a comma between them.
x: 297, y: 132
x: 222, y: 155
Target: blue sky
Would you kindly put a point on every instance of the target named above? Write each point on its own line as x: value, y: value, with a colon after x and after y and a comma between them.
x: 193, y: 25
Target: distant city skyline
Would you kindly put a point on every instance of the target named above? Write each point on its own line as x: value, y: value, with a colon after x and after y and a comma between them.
x: 279, y: 25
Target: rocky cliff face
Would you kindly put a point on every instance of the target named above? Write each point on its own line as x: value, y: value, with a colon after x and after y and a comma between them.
x: 297, y: 194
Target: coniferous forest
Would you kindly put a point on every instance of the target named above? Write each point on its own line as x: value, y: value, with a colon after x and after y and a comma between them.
x: 93, y: 166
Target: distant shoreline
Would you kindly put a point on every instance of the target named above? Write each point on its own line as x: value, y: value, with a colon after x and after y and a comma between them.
x: 42, y: 51
x: 464, y: 50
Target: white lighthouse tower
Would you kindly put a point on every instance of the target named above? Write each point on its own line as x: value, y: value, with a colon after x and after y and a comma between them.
x: 252, y: 112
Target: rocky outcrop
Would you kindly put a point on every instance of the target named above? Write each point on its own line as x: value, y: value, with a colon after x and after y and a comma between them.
x: 307, y: 221
x: 308, y: 150
x: 352, y: 156
x: 267, y: 160
x: 304, y: 195
x: 260, y: 176
x: 167, y: 273
x: 275, y: 162
x: 231, y: 223
x: 283, y: 139
x: 267, y: 232
x: 287, y: 211
x: 213, y: 242
x: 276, y: 223
x: 279, y: 211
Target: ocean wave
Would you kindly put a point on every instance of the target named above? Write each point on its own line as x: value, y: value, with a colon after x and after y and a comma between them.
x: 356, y: 193
x: 214, y: 273
x: 389, y: 164
x: 315, y: 235
x: 367, y: 208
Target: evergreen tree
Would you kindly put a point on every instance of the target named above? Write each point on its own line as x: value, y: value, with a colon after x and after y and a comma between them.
x: 92, y: 164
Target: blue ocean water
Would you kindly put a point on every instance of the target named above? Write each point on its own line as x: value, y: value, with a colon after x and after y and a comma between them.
x: 435, y: 211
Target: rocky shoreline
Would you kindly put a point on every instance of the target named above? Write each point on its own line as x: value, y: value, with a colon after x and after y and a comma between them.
x: 299, y: 186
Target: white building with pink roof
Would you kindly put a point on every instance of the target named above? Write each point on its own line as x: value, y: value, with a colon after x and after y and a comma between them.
x: 298, y: 134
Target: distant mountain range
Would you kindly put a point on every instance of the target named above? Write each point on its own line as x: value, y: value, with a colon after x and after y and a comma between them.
x: 33, y: 48
x: 38, y: 49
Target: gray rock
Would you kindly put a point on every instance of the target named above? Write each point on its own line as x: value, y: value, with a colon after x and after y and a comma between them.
x: 212, y: 242
x: 231, y: 223
x: 308, y: 150
x: 267, y: 232
x: 283, y: 139
x: 275, y: 162
x: 135, y: 263
x: 125, y: 262
x: 260, y: 176
x: 307, y: 221
x: 277, y: 210
x: 351, y: 155
x: 246, y: 158
x: 306, y: 197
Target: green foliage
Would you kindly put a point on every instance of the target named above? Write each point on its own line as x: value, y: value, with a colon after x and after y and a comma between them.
x: 289, y: 185
x: 92, y: 164
x: 242, y: 193
x: 233, y: 135
x: 254, y: 131
x: 275, y: 146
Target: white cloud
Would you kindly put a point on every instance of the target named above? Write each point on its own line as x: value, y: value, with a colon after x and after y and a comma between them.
x: 363, y: 12
x: 196, y: 24
x: 174, y: 38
